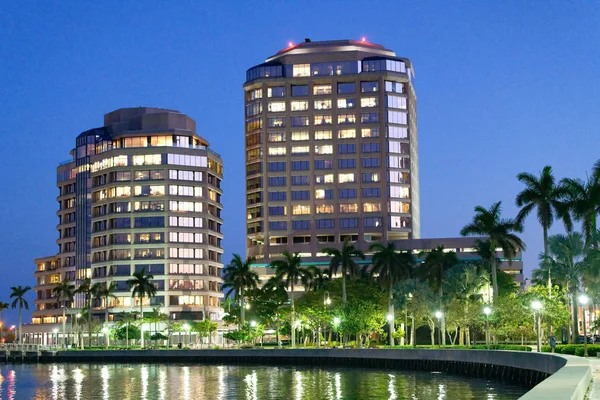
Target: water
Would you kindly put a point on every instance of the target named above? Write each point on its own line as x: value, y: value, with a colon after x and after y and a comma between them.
x: 215, y: 382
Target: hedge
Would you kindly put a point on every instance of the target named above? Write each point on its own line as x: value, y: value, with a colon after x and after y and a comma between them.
x: 477, y: 347
x: 574, y: 349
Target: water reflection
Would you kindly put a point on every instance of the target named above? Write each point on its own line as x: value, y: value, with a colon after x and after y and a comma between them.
x: 153, y: 381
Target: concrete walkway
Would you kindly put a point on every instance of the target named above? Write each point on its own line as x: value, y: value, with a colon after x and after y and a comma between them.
x: 594, y: 392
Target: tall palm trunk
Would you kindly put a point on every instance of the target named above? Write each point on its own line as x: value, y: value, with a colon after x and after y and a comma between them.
x: 64, y: 326
x: 494, y: 276
x: 545, y: 259
x: 1, y: 330
x: 391, y: 311
x: 242, y: 308
x: 293, y: 318
x: 443, y: 318
x: 344, y: 300
x: 106, y: 322
x: 20, y: 325
x: 142, y: 318
x: 575, y: 333
x: 90, y: 323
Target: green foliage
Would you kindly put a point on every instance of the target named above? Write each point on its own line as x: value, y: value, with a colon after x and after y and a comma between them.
x: 158, y: 336
x: 134, y: 333
x: 399, y: 334
x: 204, y: 328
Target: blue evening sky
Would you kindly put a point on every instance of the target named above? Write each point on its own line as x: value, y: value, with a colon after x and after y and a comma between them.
x: 502, y: 86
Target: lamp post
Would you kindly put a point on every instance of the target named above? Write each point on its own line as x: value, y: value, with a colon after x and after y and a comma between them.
x: 583, y: 300
x: 390, y: 318
x: 439, y: 315
x: 537, y: 306
x: 79, y: 339
x: 326, y: 302
x: 487, y: 311
x: 186, y: 328
x: 336, y: 323
x: 54, y: 334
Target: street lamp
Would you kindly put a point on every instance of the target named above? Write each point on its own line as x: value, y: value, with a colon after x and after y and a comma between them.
x: 186, y: 328
x: 487, y: 311
x: 438, y: 315
x: 55, y: 334
x: 253, y: 324
x: 583, y: 300
x: 537, y: 306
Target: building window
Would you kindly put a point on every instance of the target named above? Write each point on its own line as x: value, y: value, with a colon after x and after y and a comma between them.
x: 371, y: 207
x: 300, y: 70
x: 323, y: 135
x: 277, y: 106
x: 399, y: 207
x: 372, y: 162
x: 276, y: 137
x: 321, y: 194
x: 395, y: 87
x: 254, y: 94
x: 396, y: 102
x: 300, y: 150
x: 323, y: 179
x: 277, y: 196
x: 348, y: 222
x: 300, y: 225
x: 253, y: 109
x: 325, y: 224
x: 399, y: 222
x: 370, y: 177
x: 276, y: 122
x: 277, y: 166
x: 347, y: 134
x: 299, y: 121
x: 369, y: 118
x: 299, y: 180
x: 300, y: 195
x: 345, y: 178
x: 399, y: 192
x: 322, y: 104
x: 276, y: 91
x: 346, y: 119
x: 323, y: 120
x: 321, y: 89
x: 367, y: 87
x: 398, y: 177
x: 300, y: 90
x: 372, y: 222
x: 397, y: 132
x: 347, y: 193
x: 346, y: 103
x: 277, y: 181
x: 300, y: 166
x: 370, y: 132
x: 347, y: 148
x: 323, y: 164
x: 370, y: 147
x: 299, y: 105
x: 300, y: 135
x: 395, y: 147
x: 348, y: 208
x: 277, y: 225
x: 371, y: 192
x: 398, y: 162
x: 300, y: 209
x: 277, y: 210
x: 277, y: 151
x: 346, y: 88
x: 148, y: 159
x: 324, y: 149
x: 324, y: 209
x: 396, y: 117
x: 366, y: 102
x: 347, y: 163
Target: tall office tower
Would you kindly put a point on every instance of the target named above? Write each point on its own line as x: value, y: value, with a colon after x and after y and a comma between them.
x: 143, y: 192
x: 331, y: 149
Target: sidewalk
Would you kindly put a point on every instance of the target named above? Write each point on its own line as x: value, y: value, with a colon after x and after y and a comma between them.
x: 594, y: 392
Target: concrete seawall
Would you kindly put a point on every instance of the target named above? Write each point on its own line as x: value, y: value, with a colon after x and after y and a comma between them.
x: 549, y: 376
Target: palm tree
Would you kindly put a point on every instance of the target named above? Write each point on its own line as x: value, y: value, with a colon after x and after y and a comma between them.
x: 142, y: 287
x: 583, y: 201
x: 390, y: 267
x: 344, y: 259
x: 543, y: 194
x: 568, y: 259
x: 63, y: 293
x: 3, y: 306
x: 435, y: 264
x: 501, y: 233
x: 89, y: 291
x: 106, y: 291
x: 18, y: 294
x: 239, y: 277
x: 291, y: 271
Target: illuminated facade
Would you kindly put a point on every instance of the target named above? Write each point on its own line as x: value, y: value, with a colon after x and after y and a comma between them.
x: 141, y: 192
x: 331, y: 149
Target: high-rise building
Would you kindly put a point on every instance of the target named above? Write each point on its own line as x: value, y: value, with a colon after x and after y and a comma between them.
x: 331, y: 149
x: 142, y: 192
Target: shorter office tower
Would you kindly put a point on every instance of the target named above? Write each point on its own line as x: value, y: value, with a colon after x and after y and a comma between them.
x: 142, y: 192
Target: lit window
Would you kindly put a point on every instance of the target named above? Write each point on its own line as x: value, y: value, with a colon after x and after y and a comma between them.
x: 275, y: 91
x: 299, y: 105
x: 300, y: 135
x: 277, y: 137
x: 323, y: 135
x: 369, y: 132
x: 368, y: 102
x: 299, y: 150
x: 347, y: 134
x: 321, y: 89
x: 321, y: 179
x: 277, y: 151
x: 345, y: 178
x: 371, y: 207
x: 324, y: 149
x: 277, y: 106
x: 346, y: 119
x: 346, y: 103
x: 348, y: 208
x: 399, y: 192
x: 324, y: 209
x: 399, y: 207
x: 323, y: 120
x: 321, y: 194
x: 148, y: 159
x: 301, y: 70
x: 324, y: 104
x: 300, y: 209
x: 276, y: 122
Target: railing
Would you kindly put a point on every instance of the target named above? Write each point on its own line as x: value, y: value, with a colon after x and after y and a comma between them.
x: 28, y: 347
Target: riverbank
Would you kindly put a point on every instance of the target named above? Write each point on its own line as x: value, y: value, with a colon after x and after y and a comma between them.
x: 550, y: 376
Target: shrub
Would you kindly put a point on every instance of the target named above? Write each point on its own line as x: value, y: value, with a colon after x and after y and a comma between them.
x: 593, y: 350
x: 570, y: 349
